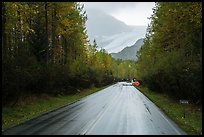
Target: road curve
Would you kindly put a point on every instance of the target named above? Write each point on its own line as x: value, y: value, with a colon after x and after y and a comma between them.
x: 116, y: 110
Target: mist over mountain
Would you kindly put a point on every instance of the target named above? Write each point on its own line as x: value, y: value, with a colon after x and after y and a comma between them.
x: 129, y: 53
x: 110, y: 33
x: 101, y: 24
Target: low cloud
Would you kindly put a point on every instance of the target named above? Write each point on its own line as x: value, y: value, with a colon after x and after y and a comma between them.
x: 131, y: 13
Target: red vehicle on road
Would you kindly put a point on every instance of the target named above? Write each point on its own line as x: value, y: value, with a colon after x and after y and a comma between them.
x: 137, y: 83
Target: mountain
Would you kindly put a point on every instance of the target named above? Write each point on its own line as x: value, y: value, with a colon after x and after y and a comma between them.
x: 129, y: 53
x: 116, y: 43
x: 100, y: 23
x: 110, y: 33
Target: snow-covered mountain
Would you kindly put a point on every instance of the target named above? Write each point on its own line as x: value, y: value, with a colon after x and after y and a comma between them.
x: 116, y: 43
x: 111, y: 34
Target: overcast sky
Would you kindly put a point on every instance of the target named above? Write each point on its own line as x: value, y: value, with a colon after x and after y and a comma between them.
x: 131, y: 13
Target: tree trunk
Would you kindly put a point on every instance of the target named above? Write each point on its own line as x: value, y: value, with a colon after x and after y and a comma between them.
x: 64, y: 44
x: 53, y: 32
x: 4, y: 37
x: 46, y: 34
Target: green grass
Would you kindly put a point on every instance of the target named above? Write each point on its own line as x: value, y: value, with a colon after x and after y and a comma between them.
x: 36, y: 105
x: 191, y: 124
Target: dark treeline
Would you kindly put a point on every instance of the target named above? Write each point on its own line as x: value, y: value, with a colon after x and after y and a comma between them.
x: 45, y: 49
x: 170, y: 60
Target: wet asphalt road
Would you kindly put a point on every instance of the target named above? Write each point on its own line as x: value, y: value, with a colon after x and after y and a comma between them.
x: 116, y: 110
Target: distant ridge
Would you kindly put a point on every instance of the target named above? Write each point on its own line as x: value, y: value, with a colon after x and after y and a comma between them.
x: 110, y: 33
x: 129, y: 53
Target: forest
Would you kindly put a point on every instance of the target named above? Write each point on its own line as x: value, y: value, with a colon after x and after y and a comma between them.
x: 170, y: 61
x: 45, y: 49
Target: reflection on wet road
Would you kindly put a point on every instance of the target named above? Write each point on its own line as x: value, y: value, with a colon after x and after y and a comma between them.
x: 117, y: 110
